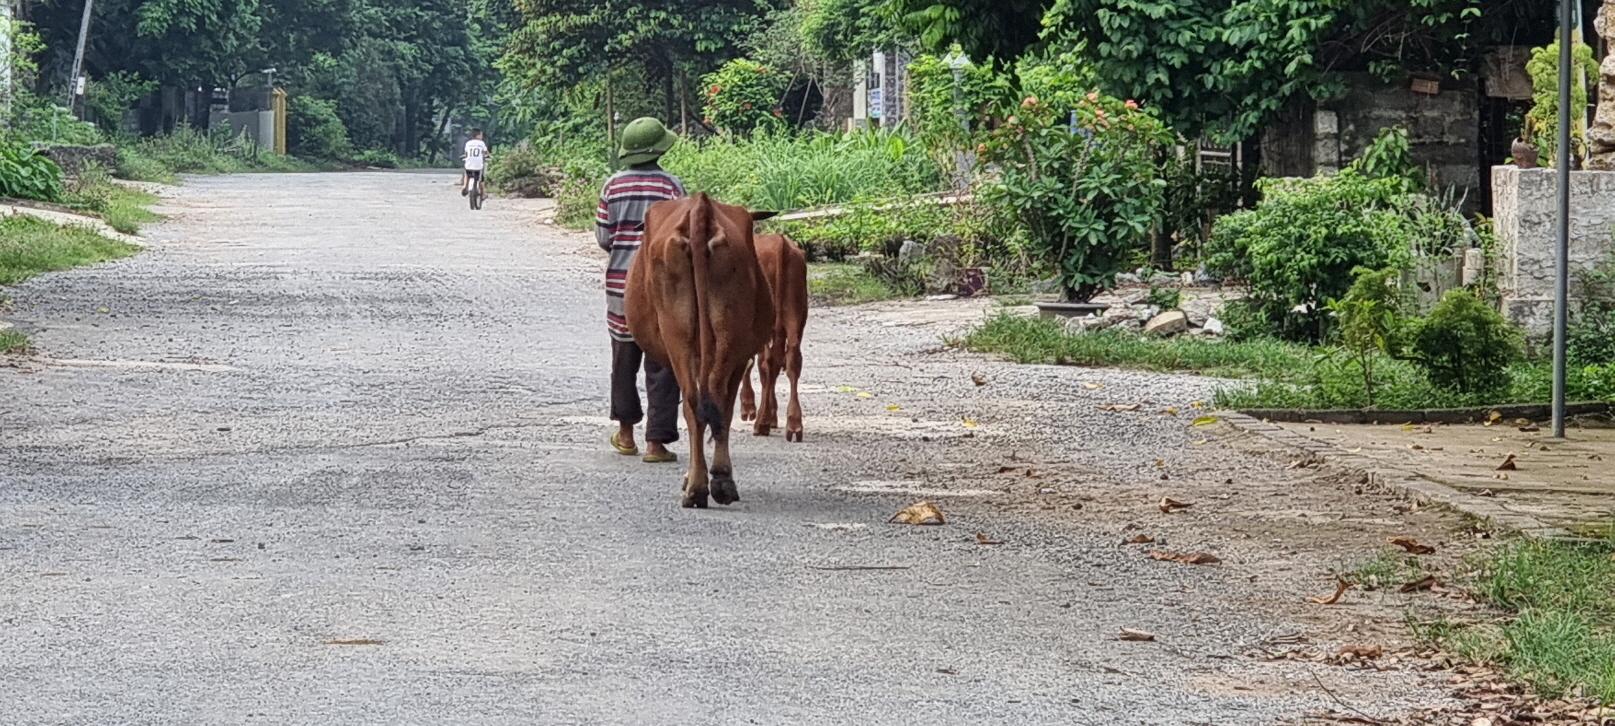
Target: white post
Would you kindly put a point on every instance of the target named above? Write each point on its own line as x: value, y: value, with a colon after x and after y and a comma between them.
x: 73, y: 86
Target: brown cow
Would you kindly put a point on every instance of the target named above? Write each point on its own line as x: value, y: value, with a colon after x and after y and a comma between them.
x: 697, y: 303
x: 785, y: 268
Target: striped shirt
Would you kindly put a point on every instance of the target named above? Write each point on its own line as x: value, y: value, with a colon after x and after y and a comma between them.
x: 619, y: 226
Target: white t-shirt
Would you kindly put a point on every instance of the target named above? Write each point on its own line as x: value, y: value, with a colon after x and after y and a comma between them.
x: 475, y: 153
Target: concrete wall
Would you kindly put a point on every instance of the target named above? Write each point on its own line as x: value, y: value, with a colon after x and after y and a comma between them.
x: 258, y: 125
x: 1321, y: 137
x: 1526, y: 214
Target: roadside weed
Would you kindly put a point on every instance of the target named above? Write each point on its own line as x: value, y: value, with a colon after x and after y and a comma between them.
x: 29, y: 246
x: 13, y: 342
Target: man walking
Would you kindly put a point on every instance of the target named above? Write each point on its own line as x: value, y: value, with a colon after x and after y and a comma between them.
x: 619, y: 228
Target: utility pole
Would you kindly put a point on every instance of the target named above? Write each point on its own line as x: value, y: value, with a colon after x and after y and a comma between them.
x: 1561, y: 277
x: 74, y: 85
x: 6, y: 13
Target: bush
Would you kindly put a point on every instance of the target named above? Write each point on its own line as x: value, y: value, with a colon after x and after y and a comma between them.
x: 25, y: 174
x: 1466, y: 346
x: 1086, y: 197
x: 189, y: 149
x: 742, y: 95
x: 780, y: 172
x: 136, y: 165
x: 1297, y: 249
x: 1371, y: 322
x: 314, y: 129
x: 521, y: 170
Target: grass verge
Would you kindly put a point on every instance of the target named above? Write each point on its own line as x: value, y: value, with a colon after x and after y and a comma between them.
x: 127, y: 209
x: 835, y: 283
x: 1559, y: 636
x: 29, y: 246
x: 1282, y: 375
x: 13, y: 342
x: 1037, y: 340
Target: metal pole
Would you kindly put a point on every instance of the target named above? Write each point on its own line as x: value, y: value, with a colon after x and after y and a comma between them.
x: 78, y: 59
x: 1561, y: 281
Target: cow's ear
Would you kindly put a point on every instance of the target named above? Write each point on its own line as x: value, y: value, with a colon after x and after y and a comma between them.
x: 760, y: 216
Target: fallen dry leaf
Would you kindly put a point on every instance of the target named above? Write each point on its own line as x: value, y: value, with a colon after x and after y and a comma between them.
x: 1341, y: 586
x: 1187, y: 558
x: 1530, y: 429
x: 1508, y: 464
x: 865, y: 394
x: 1203, y: 421
x: 891, y: 407
x: 967, y: 422
x: 1423, y: 583
x: 1135, y: 635
x: 921, y: 512
x: 355, y: 641
x: 1493, y: 417
x: 982, y: 538
x: 1361, y: 651
x: 1006, y: 469
x: 978, y: 379
x: 1169, y: 505
x: 1412, y: 545
x: 1140, y: 539
x: 1170, y: 410
x: 1119, y: 407
x: 1091, y: 386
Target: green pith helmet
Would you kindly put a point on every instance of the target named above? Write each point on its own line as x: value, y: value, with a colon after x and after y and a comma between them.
x: 644, y: 139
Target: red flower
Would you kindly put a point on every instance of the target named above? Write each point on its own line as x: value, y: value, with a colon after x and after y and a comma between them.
x: 1130, y: 103
x: 1029, y: 101
x: 1093, y: 95
x: 713, y: 89
x: 746, y: 106
x: 776, y: 112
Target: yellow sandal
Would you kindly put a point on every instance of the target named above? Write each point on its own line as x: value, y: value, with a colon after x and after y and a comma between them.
x: 624, y: 450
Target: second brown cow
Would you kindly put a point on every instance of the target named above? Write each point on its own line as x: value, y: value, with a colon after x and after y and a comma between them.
x: 697, y: 303
x: 785, y: 268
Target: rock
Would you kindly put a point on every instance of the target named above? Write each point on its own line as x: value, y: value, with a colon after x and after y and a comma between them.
x: 1136, y: 297
x: 910, y: 252
x: 1200, y: 309
x: 1167, y: 323
x: 1213, y: 326
x: 1128, y: 278
x: 1202, y: 275
x: 1186, y: 279
x: 1044, y: 287
x: 1163, y: 278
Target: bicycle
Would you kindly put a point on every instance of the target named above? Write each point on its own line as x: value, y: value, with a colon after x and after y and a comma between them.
x: 479, y: 192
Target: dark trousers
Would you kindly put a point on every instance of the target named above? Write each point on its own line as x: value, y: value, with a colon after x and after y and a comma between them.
x: 661, y: 388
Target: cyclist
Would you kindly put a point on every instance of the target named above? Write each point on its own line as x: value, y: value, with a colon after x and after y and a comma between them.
x: 476, y: 157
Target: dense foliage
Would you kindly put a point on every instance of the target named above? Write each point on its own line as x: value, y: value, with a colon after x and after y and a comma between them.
x: 24, y: 174
x: 1224, y: 66
x: 741, y: 96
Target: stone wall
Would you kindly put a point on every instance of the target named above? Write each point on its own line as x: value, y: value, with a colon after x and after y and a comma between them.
x: 72, y: 157
x: 1321, y: 137
x: 1526, y: 219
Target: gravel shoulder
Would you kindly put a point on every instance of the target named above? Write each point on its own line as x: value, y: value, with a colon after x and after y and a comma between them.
x: 335, y: 453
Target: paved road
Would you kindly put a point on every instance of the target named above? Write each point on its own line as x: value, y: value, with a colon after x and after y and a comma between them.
x: 333, y: 453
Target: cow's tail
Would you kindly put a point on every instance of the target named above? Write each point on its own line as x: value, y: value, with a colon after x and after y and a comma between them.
x: 707, y: 410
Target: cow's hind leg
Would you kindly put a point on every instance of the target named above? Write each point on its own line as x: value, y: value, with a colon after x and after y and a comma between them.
x: 793, y: 409
x: 723, y: 472
x: 748, y: 407
x: 768, y: 365
x: 695, y: 477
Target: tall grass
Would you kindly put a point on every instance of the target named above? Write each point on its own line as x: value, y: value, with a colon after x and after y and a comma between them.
x: 781, y: 172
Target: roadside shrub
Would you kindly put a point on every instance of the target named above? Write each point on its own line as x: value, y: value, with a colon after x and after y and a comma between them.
x: 779, y: 172
x: 1297, y: 249
x: 520, y: 169
x: 1590, y: 336
x: 314, y: 129
x: 1371, y: 322
x: 1084, y: 194
x: 742, y: 95
x: 189, y: 149
x: 136, y: 165
x: 936, y: 96
x: 1466, y: 346
x: 25, y: 174
x: 92, y: 190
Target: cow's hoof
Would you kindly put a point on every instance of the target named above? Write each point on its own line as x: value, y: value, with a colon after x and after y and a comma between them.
x: 747, y: 415
x: 793, y: 435
x: 723, y: 489
x: 693, y: 498
x: 761, y: 429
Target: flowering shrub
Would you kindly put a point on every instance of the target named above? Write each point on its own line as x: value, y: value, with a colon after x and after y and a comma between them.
x: 1085, y: 194
x: 742, y: 95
